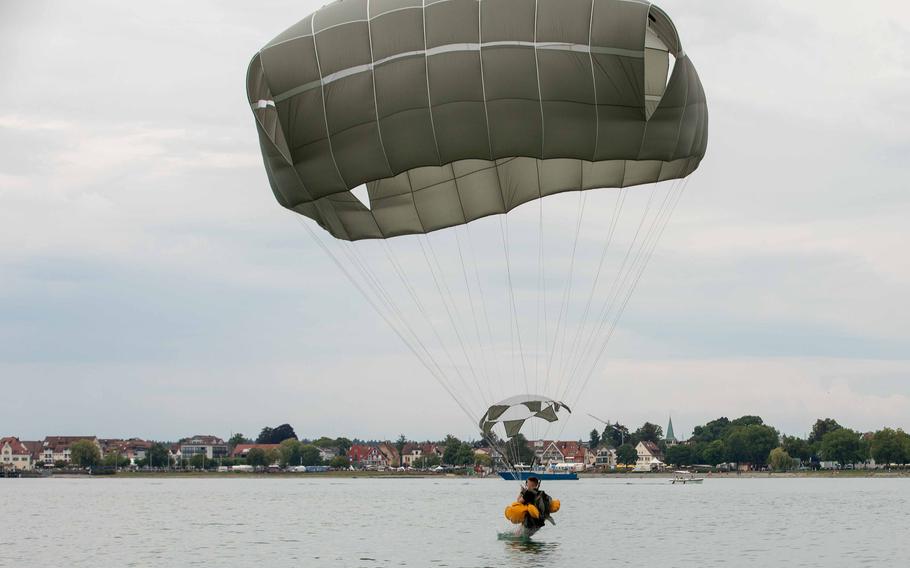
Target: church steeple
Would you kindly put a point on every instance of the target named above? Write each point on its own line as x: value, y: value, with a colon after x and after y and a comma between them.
x: 670, y: 437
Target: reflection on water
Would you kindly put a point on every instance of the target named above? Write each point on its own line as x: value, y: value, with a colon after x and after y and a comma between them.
x: 315, y: 522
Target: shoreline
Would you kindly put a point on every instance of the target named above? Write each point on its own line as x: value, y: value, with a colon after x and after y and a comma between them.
x: 841, y: 474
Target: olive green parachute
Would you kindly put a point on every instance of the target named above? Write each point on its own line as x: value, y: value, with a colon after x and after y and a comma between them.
x: 453, y: 110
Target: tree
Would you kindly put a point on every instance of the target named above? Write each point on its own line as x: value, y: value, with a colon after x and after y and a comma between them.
x: 158, y: 456
x: 797, y: 448
x: 615, y: 435
x: 648, y: 433
x: 198, y: 460
x: 680, y: 454
x: 626, y: 454
x: 890, y: 447
x: 339, y: 462
x: 309, y: 455
x: 747, y: 421
x: 452, y: 444
x: 290, y: 452
x: 822, y: 427
x: 841, y: 445
x: 343, y: 445
x: 464, y: 455
x: 276, y: 435
x: 780, y: 460
x: 426, y: 461
x: 715, y: 453
x: 256, y: 457
x: 751, y: 444
x: 713, y: 430
x: 116, y: 459
x: 84, y: 453
x: 594, y: 440
x: 236, y: 440
x: 483, y: 460
x: 400, y: 443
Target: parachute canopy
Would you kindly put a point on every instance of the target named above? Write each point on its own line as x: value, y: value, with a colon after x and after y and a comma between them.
x: 507, y: 417
x: 453, y: 110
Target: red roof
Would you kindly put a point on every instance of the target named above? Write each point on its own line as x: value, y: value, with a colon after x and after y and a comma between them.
x: 61, y: 443
x: 360, y: 452
x: 17, y: 446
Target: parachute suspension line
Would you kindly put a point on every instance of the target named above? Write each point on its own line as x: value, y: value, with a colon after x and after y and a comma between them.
x: 434, y: 372
x: 541, y: 293
x: 567, y: 289
x: 420, y: 308
x: 504, y: 230
x: 480, y: 350
x: 380, y: 290
x: 483, y: 305
x: 616, y: 280
x: 585, y: 366
x: 680, y: 190
x: 442, y: 297
x: 608, y: 240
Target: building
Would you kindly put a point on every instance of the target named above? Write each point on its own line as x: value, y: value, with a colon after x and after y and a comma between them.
x: 14, y: 454
x: 211, y: 446
x: 367, y: 457
x: 670, y: 437
x: 570, y: 452
x: 650, y: 458
x: 133, y: 449
x: 241, y: 450
x: 57, y: 448
x: 328, y: 454
x: 390, y: 453
x: 605, y: 458
x: 413, y: 452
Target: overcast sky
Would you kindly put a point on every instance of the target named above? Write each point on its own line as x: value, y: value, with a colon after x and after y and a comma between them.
x: 151, y: 286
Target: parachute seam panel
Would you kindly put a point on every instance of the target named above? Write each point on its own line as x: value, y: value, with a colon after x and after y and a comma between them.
x: 426, y: 63
x: 325, y: 114
x: 594, y: 86
x: 483, y: 85
x: 375, y: 99
x: 539, y: 94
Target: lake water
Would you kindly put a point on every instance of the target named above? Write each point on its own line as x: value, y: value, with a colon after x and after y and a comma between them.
x: 450, y: 522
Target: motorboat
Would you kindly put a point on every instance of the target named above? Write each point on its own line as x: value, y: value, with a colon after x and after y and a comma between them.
x: 684, y: 478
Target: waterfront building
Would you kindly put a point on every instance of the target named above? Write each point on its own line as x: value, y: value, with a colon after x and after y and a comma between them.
x: 556, y: 451
x: 412, y: 452
x: 134, y: 449
x: 14, y: 455
x: 605, y: 458
x: 57, y: 448
x: 212, y: 446
x: 368, y: 457
x: 650, y: 458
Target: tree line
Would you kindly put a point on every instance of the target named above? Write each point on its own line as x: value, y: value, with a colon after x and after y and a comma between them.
x: 749, y: 440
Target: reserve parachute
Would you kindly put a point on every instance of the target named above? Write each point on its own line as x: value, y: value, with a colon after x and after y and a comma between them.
x: 446, y: 150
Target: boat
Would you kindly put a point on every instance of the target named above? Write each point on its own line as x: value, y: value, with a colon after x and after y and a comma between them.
x: 684, y: 478
x: 523, y: 475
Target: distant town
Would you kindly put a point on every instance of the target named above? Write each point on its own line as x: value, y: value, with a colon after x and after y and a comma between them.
x: 741, y: 444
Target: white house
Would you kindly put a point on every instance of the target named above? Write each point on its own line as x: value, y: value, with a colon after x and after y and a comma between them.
x: 605, y: 458
x: 14, y: 455
x: 650, y: 457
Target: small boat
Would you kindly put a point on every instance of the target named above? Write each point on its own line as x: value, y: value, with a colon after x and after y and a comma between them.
x: 684, y: 478
x: 523, y: 475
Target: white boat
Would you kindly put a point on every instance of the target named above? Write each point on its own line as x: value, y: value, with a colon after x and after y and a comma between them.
x: 684, y: 478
